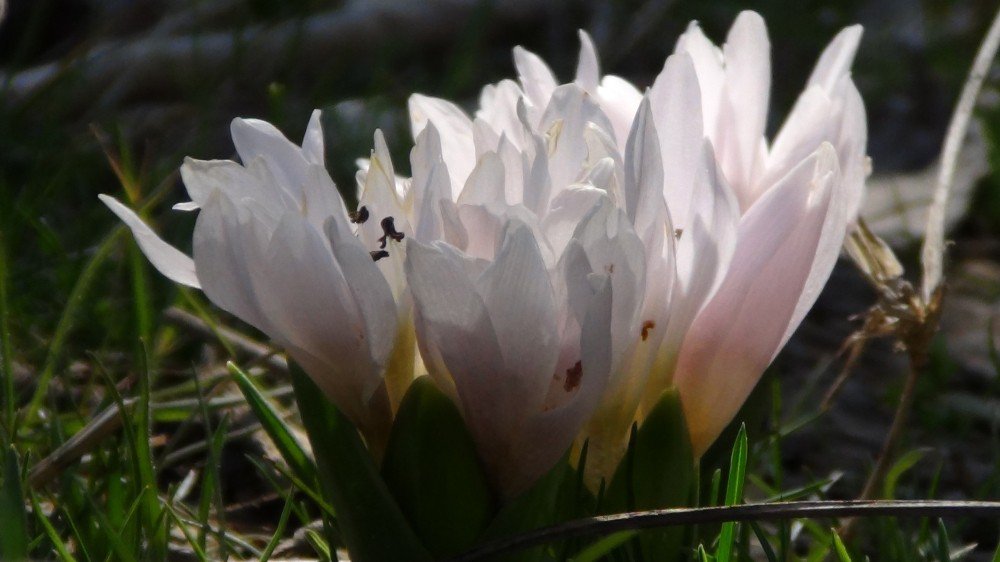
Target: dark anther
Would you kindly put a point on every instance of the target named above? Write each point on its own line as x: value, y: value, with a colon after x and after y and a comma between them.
x: 378, y: 254
x: 646, y: 327
x: 573, y: 376
x: 678, y: 232
x: 359, y: 216
x: 389, y: 228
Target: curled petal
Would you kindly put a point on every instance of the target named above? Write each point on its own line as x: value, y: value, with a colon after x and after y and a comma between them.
x: 169, y: 261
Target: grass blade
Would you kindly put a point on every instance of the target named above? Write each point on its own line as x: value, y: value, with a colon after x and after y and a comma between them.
x: 734, y: 494
x: 293, y: 453
x: 13, y: 522
x: 50, y: 532
x: 838, y: 547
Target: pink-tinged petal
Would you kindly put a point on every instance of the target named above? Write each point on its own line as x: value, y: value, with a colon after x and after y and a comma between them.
x: 837, y: 58
x: 706, y: 243
x: 455, y: 128
x: 371, y: 292
x: 739, y: 133
x: 169, y: 261
x: 707, y: 60
x: 677, y: 112
x: 808, y: 125
x: 537, y: 80
x: 486, y: 182
x: 736, y: 335
x: 851, y: 143
x: 588, y: 70
x: 703, y: 253
x: 830, y: 242
x: 312, y: 141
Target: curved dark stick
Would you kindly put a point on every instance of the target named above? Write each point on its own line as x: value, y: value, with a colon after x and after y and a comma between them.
x: 607, y: 524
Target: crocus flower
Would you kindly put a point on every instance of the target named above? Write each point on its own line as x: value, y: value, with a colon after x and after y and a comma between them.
x: 274, y: 245
x: 739, y: 234
x: 526, y: 302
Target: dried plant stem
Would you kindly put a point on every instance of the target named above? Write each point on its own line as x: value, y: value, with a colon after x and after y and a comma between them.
x: 592, y: 527
x: 918, y: 360
x: 917, y: 363
x: 932, y: 253
x: 855, y: 345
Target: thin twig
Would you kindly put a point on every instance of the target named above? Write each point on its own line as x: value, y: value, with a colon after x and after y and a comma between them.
x: 592, y: 527
x: 932, y: 254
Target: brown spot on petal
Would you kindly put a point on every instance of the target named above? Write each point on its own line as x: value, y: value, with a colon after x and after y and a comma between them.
x: 359, y: 216
x: 378, y: 254
x: 610, y: 268
x: 573, y: 376
x: 646, y: 327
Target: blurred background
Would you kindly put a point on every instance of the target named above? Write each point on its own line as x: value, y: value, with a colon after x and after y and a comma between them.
x: 108, y: 96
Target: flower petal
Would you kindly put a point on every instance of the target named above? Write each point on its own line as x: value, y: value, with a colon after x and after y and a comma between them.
x: 739, y: 133
x: 837, y: 58
x: 519, y: 296
x: 588, y: 71
x: 737, y: 334
x: 312, y: 141
x: 455, y: 128
x: 169, y: 261
x: 537, y: 80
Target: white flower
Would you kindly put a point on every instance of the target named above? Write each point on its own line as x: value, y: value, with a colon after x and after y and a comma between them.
x: 273, y: 245
x: 739, y: 235
x: 522, y: 314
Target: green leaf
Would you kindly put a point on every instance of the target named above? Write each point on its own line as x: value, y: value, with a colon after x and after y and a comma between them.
x: 13, y: 521
x: 603, y: 546
x: 734, y: 493
x: 373, y: 527
x: 152, y: 518
x: 547, y: 502
x: 658, y: 471
x: 943, y: 544
x: 291, y: 451
x: 432, y: 468
x: 839, y: 548
x: 899, y: 468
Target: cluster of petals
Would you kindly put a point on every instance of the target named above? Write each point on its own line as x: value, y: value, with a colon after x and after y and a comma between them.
x: 558, y: 258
